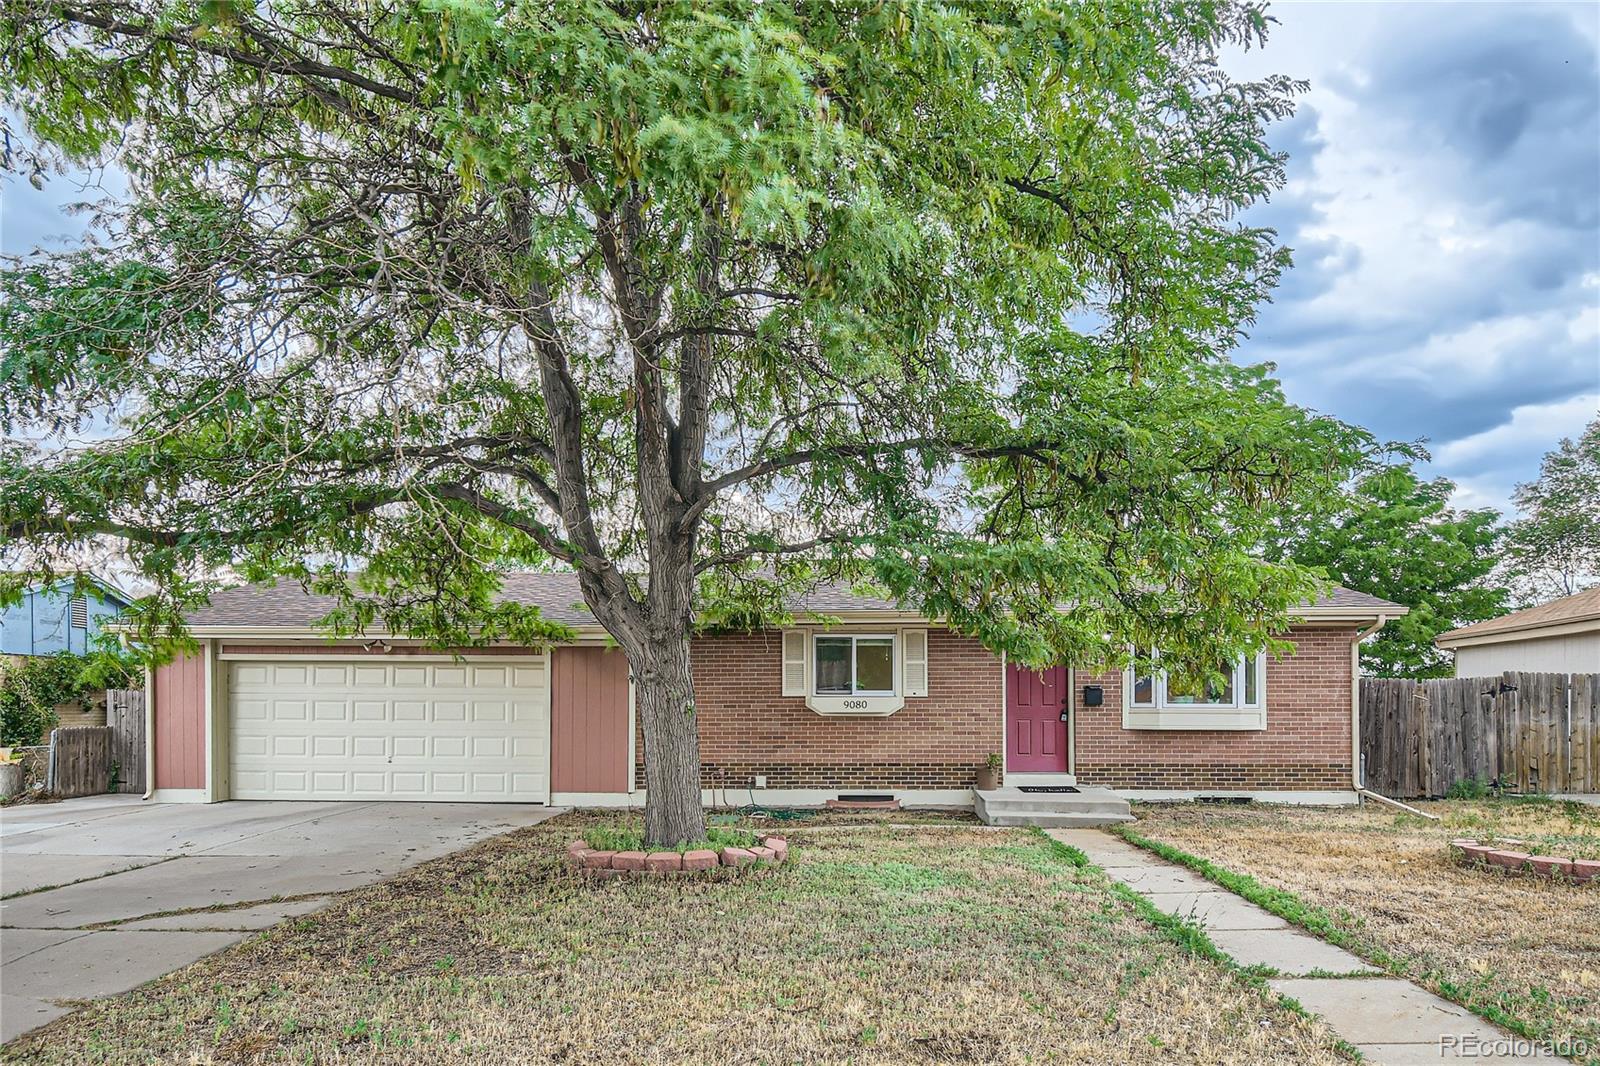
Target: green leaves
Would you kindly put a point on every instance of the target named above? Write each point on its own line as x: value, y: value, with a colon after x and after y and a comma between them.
x: 80, y: 330
x: 935, y: 297
x: 32, y: 688
x: 1553, y: 549
x: 1396, y: 536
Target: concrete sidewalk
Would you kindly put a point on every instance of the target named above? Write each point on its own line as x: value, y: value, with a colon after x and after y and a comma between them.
x: 1392, y: 1022
x: 91, y: 885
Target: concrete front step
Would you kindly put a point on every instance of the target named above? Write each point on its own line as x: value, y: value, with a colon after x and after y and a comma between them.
x: 1055, y: 819
x: 1097, y: 805
x: 1088, y: 807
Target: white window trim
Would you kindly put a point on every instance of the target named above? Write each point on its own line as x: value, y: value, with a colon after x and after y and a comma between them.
x: 1238, y: 715
x: 869, y: 705
x: 855, y: 640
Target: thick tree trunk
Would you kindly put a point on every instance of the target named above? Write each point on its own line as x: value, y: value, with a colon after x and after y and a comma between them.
x: 664, y: 688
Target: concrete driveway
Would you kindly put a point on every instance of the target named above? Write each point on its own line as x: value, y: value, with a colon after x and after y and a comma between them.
x: 104, y: 893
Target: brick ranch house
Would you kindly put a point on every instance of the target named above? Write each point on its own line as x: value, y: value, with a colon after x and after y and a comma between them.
x: 880, y: 701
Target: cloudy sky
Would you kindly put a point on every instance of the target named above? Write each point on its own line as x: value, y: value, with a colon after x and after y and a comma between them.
x: 1444, y: 208
x: 1444, y: 205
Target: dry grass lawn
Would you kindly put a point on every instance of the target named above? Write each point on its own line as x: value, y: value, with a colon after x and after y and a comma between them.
x: 871, y: 945
x: 1524, y: 946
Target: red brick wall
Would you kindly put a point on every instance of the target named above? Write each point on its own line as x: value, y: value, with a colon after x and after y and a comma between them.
x: 933, y: 742
x: 1306, y: 745
x: 748, y: 728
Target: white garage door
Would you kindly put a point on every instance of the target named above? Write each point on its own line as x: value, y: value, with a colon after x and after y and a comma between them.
x: 390, y: 730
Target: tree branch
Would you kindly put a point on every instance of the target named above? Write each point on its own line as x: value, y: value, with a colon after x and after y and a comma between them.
x: 298, y: 66
x: 751, y: 551
x: 708, y: 493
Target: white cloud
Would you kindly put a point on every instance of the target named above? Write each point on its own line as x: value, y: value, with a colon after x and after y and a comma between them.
x: 1495, y: 456
x: 1541, y: 425
x: 1444, y: 207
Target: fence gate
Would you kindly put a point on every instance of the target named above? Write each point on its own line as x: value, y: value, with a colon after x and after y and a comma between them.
x: 80, y: 761
x: 125, y: 718
x: 1528, y: 732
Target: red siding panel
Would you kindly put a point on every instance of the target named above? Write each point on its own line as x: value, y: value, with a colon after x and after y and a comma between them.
x: 180, y: 723
x: 589, y: 720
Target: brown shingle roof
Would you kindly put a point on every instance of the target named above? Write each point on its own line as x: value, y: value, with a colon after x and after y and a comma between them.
x: 1581, y: 607
x: 1350, y: 599
x: 559, y: 600
x: 556, y: 595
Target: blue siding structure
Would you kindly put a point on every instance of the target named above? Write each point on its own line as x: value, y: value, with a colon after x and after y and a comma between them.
x: 45, y: 622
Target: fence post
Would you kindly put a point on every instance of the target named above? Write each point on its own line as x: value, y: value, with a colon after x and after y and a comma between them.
x: 50, y: 765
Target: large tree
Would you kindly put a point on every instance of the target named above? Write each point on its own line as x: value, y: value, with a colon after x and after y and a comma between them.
x: 1553, y: 547
x: 1395, y: 535
x: 704, y: 301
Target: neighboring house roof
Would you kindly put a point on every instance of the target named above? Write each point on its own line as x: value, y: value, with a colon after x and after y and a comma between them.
x: 1567, y: 615
x: 560, y: 600
x: 108, y: 591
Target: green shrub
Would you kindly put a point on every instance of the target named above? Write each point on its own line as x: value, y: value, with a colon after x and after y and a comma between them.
x: 30, y: 691
x: 1468, y: 788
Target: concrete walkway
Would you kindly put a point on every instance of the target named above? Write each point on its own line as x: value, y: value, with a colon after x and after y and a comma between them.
x: 1589, y: 799
x: 1392, y: 1022
x: 104, y: 893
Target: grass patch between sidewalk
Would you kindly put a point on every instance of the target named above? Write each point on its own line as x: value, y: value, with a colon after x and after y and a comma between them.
x: 1193, y: 937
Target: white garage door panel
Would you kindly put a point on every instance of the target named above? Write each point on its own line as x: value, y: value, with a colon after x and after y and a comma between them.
x: 446, y: 731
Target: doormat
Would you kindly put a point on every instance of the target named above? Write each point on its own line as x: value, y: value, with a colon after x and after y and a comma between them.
x: 1046, y: 788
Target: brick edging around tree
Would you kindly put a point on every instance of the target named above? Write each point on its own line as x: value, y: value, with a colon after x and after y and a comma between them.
x: 1555, y: 867
x: 771, y: 850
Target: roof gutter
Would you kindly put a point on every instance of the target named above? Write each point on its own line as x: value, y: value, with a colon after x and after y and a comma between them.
x: 803, y: 618
x: 1356, y: 779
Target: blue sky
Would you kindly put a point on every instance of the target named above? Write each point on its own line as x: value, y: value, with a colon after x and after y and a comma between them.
x: 1444, y: 207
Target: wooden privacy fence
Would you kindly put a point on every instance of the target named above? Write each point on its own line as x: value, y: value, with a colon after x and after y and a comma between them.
x: 80, y: 761
x: 1526, y: 732
x: 125, y: 717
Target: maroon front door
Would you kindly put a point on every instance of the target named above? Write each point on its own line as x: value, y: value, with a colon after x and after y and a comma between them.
x: 1036, y: 736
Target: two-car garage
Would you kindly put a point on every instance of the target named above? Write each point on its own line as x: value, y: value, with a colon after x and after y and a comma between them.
x: 313, y: 727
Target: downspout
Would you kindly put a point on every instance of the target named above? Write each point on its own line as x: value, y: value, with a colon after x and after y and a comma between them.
x: 149, y: 732
x: 1355, y: 702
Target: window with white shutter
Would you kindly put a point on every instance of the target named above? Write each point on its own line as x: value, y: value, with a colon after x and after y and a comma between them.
x: 80, y: 613
x: 846, y: 673
x: 914, y: 658
x: 794, y: 662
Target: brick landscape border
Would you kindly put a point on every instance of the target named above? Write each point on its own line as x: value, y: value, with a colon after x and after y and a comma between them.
x: 1551, y: 866
x: 770, y: 850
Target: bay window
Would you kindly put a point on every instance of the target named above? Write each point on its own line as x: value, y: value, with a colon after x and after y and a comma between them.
x: 1231, y: 697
